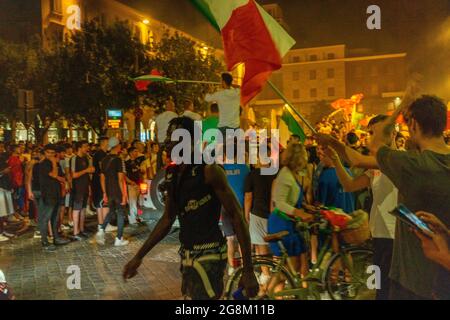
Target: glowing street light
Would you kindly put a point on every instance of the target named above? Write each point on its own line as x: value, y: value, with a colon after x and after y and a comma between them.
x: 146, y: 21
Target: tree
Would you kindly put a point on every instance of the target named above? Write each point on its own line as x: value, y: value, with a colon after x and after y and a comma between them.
x: 180, y: 58
x: 98, y: 64
x: 18, y: 65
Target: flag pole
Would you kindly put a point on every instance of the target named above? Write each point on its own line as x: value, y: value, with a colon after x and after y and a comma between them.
x: 197, y: 81
x: 291, y: 107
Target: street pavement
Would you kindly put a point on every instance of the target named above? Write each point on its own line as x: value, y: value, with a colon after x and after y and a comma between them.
x: 37, y: 275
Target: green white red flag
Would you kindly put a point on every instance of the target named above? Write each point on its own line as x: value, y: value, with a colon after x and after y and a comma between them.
x: 250, y: 36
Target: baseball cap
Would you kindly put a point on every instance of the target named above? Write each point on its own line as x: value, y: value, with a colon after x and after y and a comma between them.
x: 2, y: 277
x: 113, y: 142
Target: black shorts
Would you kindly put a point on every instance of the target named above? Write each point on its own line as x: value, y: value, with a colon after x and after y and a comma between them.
x: 97, y: 199
x: 227, y: 225
x: 80, y: 200
x: 192, y: 285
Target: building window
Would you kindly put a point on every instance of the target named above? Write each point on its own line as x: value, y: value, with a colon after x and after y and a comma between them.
x: 56, y: 6
x: 374, y: 90
x: 137, y: 33
x: 373, y: 70
x: 391, y: 86
x: 330, y: 73
x: 296, y: 76
x: 331, y: 56
x: 331, y: 92
x: 295, y: 59
x: 296, y: 94
x: 358, y: 72
x: 313, y: 93
x: 312, y: 75
x: 313, y: 57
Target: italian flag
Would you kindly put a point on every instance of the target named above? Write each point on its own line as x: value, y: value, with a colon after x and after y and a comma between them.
x: 250, y: 36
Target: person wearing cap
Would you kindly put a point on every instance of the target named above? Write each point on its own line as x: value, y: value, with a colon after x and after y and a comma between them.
x: 5, y: 291
x: 113, y: 183
x: 50, y: 185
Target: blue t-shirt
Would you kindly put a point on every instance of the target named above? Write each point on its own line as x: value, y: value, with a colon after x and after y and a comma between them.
x: 331, y: 193
x: 236, y: 174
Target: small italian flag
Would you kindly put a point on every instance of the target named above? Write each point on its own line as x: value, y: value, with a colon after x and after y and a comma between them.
x: 250, y: 36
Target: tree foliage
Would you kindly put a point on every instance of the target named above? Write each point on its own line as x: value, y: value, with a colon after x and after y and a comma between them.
x: 95, y: 77
x: 18, y: 65
x: 91, y: 71
x: 180, y: 58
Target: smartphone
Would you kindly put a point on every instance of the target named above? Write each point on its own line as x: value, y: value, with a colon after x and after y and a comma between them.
x: 407, y: 216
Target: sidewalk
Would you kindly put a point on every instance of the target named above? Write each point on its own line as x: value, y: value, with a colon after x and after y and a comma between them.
x: 35, y: 274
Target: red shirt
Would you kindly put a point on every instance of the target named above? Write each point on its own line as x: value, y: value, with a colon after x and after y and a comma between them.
x: 16, y: 171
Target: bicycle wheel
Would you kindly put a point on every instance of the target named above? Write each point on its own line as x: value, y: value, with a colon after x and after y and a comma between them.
x: 233, y: 282
x: 346, y: 275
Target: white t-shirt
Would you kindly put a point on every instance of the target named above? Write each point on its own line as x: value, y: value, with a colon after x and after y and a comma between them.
x: 162, y: 124
x: 385, y: 198
x: 229, y: 102
x: 193, y: 115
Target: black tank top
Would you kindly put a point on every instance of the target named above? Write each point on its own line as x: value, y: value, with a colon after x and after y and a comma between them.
x: 198, y: 207
x: 35, y: 185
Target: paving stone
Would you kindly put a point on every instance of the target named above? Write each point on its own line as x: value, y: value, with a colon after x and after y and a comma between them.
x: 38, y: 275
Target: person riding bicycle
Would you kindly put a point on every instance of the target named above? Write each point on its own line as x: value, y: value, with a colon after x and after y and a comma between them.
x: 288, y: 197
x: 195, y: 193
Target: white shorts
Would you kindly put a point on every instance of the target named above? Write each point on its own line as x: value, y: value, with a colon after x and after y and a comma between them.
x: 258, y: 230
x: 6, y: 203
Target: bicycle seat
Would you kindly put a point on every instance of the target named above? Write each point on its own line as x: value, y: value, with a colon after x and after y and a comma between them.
x: 275, y: 236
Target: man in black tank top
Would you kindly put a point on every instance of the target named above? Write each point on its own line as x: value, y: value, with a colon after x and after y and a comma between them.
x: 195, y: 194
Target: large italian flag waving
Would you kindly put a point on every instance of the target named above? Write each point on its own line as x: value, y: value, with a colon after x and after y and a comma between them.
x: 250, y: 36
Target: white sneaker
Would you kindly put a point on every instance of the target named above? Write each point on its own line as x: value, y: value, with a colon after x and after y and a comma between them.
x: 71, y: 224
x: 64, y: 227
x: 230, y: 271
x: 37, y: 235
x: 3, y: 238
x: 120, y: 242
x: 8, y: 235
x: 100, y: 237
x: 110, y: 228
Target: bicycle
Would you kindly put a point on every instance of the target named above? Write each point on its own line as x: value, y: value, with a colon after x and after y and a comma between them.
x: 343, y: 274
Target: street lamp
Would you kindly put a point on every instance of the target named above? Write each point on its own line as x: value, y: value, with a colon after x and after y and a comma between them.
x: 146, y: 21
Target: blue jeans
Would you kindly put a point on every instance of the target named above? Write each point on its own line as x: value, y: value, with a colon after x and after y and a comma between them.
x: 115, y: 208
x: 48, y: 211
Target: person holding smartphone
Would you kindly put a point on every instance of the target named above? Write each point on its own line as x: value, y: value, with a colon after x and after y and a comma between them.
x: 422, y: 178
x: 435, y: 246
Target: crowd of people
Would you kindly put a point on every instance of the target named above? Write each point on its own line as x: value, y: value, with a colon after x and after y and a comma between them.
x: 57, y: 185
x: 54, y: 187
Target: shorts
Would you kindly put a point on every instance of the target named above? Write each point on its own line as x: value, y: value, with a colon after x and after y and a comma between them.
x: 80, y: 201
x: 293, y: 242
x: 258, y: 230
x: 192, y: 285
x: 97, y: 199
x: 227, y: 225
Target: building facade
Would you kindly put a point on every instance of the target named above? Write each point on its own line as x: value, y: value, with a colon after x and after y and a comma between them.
x: 52, y: 21
x: 312, y: 78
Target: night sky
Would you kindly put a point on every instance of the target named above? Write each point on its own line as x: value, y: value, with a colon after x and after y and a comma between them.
x: 419, y: 27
